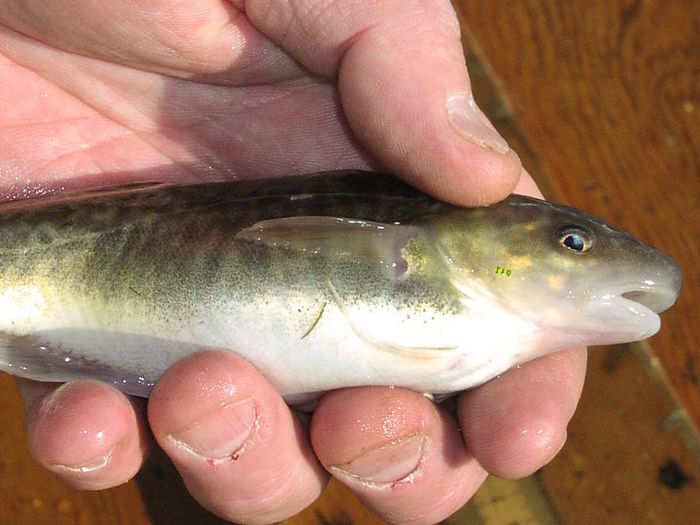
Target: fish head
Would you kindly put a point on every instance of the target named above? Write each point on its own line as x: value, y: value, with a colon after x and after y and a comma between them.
x: 575, y: 278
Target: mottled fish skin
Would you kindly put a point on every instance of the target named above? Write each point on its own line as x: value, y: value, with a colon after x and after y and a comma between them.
x: 325, y: 281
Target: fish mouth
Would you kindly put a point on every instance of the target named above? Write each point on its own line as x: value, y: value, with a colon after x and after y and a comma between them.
x: 651, y: 299
x: 629, y: 311
x: 634, y: 308
x: 656, y: 292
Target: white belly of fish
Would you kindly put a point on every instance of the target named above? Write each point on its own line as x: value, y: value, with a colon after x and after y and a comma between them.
x: 333, y: 349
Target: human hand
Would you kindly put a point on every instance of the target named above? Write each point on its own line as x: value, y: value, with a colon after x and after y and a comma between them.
x: 164, y: 91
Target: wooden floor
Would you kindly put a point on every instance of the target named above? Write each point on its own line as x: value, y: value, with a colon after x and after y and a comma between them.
x: 602, y: 101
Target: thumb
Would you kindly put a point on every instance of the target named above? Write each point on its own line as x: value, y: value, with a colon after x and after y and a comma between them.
x: 403, y: 86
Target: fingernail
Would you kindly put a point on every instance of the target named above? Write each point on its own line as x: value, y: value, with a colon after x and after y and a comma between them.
x: 386, y: 465
x: 470, y: 122
x: 220, y: 435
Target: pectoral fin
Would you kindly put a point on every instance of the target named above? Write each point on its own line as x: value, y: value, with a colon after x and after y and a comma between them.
x: 334, y: 235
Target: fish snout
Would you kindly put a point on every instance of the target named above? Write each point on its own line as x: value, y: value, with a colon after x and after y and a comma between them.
x: 657, y: 287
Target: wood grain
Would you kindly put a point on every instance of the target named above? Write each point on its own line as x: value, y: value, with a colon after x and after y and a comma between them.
x: 608, y: 95
x: 626, y: 462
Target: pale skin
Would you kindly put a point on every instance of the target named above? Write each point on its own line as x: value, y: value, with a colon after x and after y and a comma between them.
x: 167, y: 90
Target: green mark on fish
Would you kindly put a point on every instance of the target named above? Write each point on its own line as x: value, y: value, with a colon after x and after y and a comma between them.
x: 503, y: 271
x: 318, y: 318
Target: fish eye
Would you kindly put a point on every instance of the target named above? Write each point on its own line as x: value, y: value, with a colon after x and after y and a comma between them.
x: 575, y: 239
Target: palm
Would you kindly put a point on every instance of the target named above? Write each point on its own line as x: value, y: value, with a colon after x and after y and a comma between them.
x: 72, y: 121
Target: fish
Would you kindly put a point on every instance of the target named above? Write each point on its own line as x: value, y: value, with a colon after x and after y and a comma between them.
x: 322, y: 282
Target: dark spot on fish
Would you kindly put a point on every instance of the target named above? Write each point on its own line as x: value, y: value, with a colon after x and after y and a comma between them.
x: 135, y: 291
x: 672, y: 475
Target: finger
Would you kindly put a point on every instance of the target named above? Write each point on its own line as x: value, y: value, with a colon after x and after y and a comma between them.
x: 404, y: 88
x: 397, y: 451
x: 86, y: 432
x: 517, y: 423
x: 241, y: 452
x: 210, y: 39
